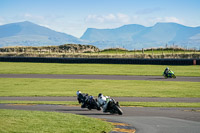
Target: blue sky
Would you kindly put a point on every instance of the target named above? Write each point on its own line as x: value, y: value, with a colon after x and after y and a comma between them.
x: 75, y: 16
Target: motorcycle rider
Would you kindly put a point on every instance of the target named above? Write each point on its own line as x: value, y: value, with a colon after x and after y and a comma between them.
x: 90, y: 98
x: 167, y: 70
x: 102, y: 101
x: 82, y: 98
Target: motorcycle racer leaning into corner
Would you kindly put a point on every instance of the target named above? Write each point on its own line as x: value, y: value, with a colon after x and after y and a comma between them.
x: 87, y: 101
x: 102, y: 101
x: 82, y: 98
x: 167, y: 70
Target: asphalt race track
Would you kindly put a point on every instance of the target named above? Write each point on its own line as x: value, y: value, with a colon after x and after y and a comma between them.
x: 144, y: 119
x: 103, y: 77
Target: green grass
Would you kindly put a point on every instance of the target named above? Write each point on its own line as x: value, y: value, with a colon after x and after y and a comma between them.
x: 135, y: 104
x: 41, y: 102
x: 118, y: 88
x: 160, y: 104
x: 102, y: 69
x: 50, y: 122
x: 164, y: 51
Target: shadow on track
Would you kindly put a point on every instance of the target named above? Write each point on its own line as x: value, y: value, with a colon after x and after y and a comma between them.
x: 95, y: 114
x: 155, y: 78
x: 71, y: 110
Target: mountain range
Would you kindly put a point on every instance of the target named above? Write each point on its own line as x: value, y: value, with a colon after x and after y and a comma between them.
x: 138, y: 36
x: 132, y: 36
x: 30, y: 34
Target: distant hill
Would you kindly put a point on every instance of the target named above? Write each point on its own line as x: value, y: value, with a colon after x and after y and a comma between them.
x: 30, y: 34
x: 138, y: 36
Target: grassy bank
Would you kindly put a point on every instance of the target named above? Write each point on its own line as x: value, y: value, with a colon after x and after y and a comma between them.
x: 126, y: 104
x: 51, y: 122
x: 74, y: 103
x: 103, y: 69
x: 118, y: 88
x: 160, y: 104
x: 161, y: 51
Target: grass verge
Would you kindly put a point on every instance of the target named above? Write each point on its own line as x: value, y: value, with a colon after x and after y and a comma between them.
x: 127, y: 104
x: 51, y: 122
x: 160, y: 104
x: 41, y: 102
x: 117, y: 88
x: 102, y: 69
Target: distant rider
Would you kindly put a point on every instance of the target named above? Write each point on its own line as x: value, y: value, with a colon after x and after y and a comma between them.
x: 82, y: 98
x: 102, y: 101
x: 166, y: 72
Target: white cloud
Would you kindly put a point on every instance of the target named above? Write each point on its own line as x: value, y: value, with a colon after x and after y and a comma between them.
x: 32, y: 17
x: 123, y: 18
x: 99, y: 18
x: 167, y: 19
x: 109, y: 18
x: 2, y: 20
x: 27, y: 15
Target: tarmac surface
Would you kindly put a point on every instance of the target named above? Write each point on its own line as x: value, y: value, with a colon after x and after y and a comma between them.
x: 103, y: 77
x: 144, y: 119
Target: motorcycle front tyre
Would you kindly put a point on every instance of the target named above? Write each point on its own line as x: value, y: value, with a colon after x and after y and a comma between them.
x: 98, y: 108
x: 173, y: 76
x: 120, y: 112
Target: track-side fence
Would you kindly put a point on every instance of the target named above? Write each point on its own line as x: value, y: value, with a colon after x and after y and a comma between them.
x: 103, y: 60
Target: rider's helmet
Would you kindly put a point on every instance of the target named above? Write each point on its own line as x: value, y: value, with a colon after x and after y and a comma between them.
x: 100, y: 95
x: 167, y: 68
x: 78, y: 92
x: 91, y: 97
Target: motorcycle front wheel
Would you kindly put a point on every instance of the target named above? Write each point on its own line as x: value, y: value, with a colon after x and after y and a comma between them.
x: 173, y: 76
x: 120, y: 112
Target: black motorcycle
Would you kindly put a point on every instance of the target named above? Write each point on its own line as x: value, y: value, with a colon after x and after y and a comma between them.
x: 88, y: 102
x: 113, y: 107
x: 91, y: 103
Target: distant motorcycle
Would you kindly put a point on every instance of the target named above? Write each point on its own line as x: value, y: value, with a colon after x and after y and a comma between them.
x: 169, y: 75
x: 88, y: 102
x: 113, y: 107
